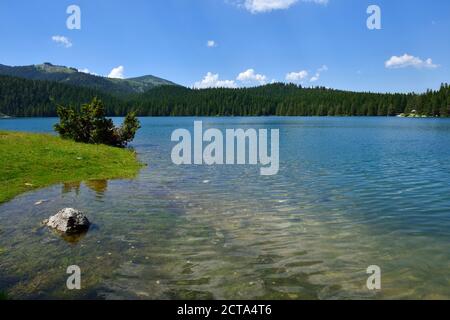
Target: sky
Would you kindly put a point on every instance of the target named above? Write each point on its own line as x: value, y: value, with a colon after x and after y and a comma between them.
x: 236, y: 43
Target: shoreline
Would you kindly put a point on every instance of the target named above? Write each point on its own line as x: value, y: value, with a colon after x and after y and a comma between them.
x: 246, y: 116
x: 34, y: 161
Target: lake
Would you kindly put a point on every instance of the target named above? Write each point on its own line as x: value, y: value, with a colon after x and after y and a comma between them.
x: 350, y: 193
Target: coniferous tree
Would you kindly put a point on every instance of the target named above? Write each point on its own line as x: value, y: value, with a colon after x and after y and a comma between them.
x: 90, y: 125
x: 21, y: 97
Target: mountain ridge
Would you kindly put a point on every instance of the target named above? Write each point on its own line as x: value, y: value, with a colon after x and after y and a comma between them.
x: 72, y: 76
x: 24, y: 97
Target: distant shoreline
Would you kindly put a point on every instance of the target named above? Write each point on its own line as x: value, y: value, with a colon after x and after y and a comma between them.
x: 4, y: 116
x: 415, y: 116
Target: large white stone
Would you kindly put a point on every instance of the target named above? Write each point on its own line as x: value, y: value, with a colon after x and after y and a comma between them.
x: 68, y: 220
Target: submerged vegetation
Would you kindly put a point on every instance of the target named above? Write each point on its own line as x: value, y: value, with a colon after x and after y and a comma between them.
x: 90, y: 125
x: 22, y: 97
x: 31, y: 161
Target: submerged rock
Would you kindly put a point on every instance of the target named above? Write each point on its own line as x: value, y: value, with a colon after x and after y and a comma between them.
x: 68, y: 221
x: 38, y: 203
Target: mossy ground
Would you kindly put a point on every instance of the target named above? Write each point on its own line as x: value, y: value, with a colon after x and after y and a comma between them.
x: 32, y: 161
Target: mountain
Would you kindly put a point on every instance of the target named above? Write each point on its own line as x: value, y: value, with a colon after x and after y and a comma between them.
x: 150, y: 96
x: 151, y: 81
x: 72, y: 76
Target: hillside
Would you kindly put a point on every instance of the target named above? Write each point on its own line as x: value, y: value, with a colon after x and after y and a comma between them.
x: 21, y: 97
x: 72, y: 76
x: 282, y: 99
x: 152, y: 97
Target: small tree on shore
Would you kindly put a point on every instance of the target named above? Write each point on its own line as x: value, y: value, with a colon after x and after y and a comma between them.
x: 90, y: 125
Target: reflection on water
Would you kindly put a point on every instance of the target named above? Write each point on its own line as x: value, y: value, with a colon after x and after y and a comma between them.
x: 350, y: 193
x: 73, y: 238
x: 71, y: 187
x: 98, y: 186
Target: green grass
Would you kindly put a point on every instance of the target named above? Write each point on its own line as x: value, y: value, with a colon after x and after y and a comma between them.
x: 31, y: 161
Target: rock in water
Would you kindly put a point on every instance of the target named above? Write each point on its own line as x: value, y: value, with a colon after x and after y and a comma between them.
x: 69, y: 221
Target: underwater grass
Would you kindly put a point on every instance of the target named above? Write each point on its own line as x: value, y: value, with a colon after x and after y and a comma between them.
x: 31, y: 161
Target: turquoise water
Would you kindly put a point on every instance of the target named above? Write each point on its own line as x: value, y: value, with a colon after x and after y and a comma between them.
x: 351, y: 192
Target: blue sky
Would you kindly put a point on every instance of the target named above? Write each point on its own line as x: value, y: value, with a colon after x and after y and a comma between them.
x: 313, y: 42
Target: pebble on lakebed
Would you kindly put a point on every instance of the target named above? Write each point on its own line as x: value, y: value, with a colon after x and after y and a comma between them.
x: 68, y: 221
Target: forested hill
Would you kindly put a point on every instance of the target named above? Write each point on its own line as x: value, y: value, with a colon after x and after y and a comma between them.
x: 30, y: 98
x: 288, y: 100
x: 72, y: 76
x: 22, y: 97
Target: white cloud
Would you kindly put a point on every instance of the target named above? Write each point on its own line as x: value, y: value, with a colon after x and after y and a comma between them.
x: 86, y: 70
x: 259, y: 6
x: 64, y: 41
x: 318, y: 73
x: 211, y: 44
x: 212, y: 81
x: 397, y: 62
x: 117, y: 73
x: 323, y: 69
x: 296, y: 76
x: 250, y: 76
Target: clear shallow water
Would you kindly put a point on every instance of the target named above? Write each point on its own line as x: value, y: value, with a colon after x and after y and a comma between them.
x: 351, y: 192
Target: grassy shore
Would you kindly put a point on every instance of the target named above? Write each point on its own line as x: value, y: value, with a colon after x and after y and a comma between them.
x: 31, y: 161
